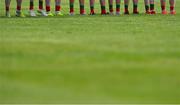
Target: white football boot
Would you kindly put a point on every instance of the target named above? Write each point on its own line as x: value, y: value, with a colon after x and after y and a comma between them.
x: 32, y: 13
x: 42, y: 12
x: 8, y: 14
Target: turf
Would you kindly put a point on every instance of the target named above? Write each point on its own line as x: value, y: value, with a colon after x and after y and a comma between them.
x: 90, y: 59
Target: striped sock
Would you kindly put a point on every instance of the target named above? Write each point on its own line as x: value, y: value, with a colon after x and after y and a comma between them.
x: 81, y: 9
x: 40, y: 4
x: 92, y: 9
x: 31, y: 5
x: 103, y: 10
x: 117, y: 7
x: 126, y: 8
x: 135, y: 7
x: 111, y: 8
x: 71, y: 7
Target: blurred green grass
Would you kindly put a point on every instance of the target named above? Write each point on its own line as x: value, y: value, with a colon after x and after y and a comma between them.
x: 90, y: 59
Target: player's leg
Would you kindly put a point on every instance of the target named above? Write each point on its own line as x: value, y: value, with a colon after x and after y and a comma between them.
x: 71, y: 6
x: 163, y: 7
x: 91, y: 2
x: 18, y: 9
x: 7, y: 6
x: 103, y: 7
x: 111, y: 7
x: 58, y: 8
x: 152, y: 7
x: 41, y: 9
x: 135, y: 7
x: 126, y: 6
x: 81, y: 5
x: 31, y: 6
x: 31, y: 9
x: 40, y: 4
x: 146, y: 3
x: 118, y: 2
x: 172, y: 5
x: 48, y: 8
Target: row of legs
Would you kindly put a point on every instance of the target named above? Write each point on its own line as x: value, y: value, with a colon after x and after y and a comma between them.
x: 149, y: 6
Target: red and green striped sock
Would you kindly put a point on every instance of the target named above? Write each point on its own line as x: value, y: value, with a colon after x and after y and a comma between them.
x: 117, y: 7
x: 126, y: 8
x: 103, y: 10
x: 111, y: 8
x: 92, y: 9
x: 135, y: 7
x: 40, y: 4
x: 81, y: 9
x: 31, y: 5
x: 71, y: 7
x: 91, y: 2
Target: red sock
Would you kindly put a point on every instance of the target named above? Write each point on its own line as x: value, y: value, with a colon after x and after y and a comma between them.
x: 40, y: 7
x: 103, y: 11
x: 82, y: 11
x: 18, y: 8
x: 92, y: 10
x: 117, y: 9
x: 135, y: 10
x: 58, y: 8
x: 31, y: 7
x: 171, y: 8
x: 163, y: 7
x: 111, y: 10
x: 126, y: 10
x: 71, y: 10
x: 48, y: 8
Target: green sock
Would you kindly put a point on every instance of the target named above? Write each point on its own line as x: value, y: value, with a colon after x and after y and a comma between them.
x: 152, y: 6
x: 103, y: 7
x: 92, y: 7
x: 118, y: 6
x: 135, y: 6
x: 81, y: 6
x: 147, y: 8
x: 110, y: 8
x: 71, y: 5
x: 126, y: 6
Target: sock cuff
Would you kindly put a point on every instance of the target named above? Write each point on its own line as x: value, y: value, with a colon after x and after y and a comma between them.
x: 103, y: 7
x: 151, y: 5
x: 117, y: 5
x: 135, y: 5
x: 82, y: 6
x: 71, y: 5
x: 91, y: 7
x: 126, y: 6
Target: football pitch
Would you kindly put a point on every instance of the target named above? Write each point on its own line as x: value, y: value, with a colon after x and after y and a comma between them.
x: 90, y: 59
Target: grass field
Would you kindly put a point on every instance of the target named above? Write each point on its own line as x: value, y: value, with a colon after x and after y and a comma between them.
x: 90, y: 59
